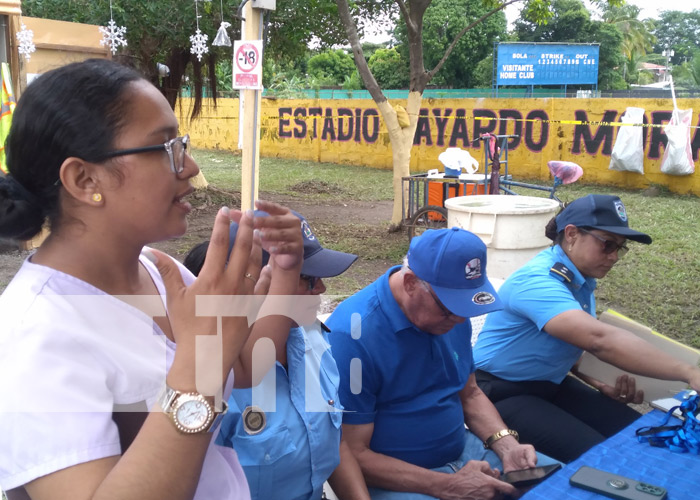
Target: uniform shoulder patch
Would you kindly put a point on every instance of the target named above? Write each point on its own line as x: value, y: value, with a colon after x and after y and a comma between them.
x: 561, y: 271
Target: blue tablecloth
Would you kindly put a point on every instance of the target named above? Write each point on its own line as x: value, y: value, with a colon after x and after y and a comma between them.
x: 622, y: 454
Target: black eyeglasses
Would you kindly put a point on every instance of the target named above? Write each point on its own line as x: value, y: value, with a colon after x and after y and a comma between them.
x: 609, y: 246
x: 445, y: 311
x: 176, y: 149
x: 311, y: 280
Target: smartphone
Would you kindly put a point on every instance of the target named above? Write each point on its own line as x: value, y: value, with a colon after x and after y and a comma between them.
x: 527, y: 477
x: 614, y: 486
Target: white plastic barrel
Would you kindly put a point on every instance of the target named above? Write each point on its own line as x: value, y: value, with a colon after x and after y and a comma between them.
x: 512, y: 227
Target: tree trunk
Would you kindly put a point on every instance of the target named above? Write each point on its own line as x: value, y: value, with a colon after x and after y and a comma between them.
x: 401, y: 140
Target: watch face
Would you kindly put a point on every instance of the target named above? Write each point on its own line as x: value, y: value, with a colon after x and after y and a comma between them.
x: 192, y: 413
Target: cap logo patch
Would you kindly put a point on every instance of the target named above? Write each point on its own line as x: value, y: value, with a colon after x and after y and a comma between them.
x: 483, y: 298
x: 308, y: 234
x: 621, y: 212
x: 472, y: 270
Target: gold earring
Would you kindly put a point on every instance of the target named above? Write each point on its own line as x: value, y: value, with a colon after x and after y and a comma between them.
x: 96, y: 197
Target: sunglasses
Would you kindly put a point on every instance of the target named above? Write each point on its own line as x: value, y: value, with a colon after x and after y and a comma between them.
x: 609, y: 246
x: 311, y: 281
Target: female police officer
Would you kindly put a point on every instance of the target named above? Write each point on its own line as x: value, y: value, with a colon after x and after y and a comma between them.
x: 524, y: 353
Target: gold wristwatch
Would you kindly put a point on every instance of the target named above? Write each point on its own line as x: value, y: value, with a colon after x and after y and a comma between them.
x: 190, y: 412
x: 500, y: 434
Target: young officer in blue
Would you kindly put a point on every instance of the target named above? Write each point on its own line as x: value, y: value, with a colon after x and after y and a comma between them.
x: 403, y: 349
x: 525, y: 352
x: 286, y: 429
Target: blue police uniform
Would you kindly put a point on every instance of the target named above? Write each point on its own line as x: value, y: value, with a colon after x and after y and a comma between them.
x: 524, y: 370
x: 298, y: 447
x: 410, y: 379
x: 512, y: 344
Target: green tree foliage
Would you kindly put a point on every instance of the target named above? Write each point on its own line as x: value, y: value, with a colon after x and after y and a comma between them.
x: 679, y: 31
x: 687, y: 74
x: 571, y: 22
x: 637, y: 39
x: 389, y: 68
x: 334, y: 65
x: 694, y: 68
x: 482, y: 76
x: 159, y: 31
x: 443, y: 20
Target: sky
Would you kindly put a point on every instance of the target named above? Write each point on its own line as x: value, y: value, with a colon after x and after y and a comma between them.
x: 650, y: 8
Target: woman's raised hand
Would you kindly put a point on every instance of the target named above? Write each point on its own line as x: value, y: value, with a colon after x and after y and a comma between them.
x: 222, y: 315
x: 280, y: 234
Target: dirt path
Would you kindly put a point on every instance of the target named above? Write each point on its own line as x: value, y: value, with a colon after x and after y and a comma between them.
x: 343, y: 213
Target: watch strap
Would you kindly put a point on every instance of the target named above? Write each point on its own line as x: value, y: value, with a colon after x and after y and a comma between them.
x: 167, y: 397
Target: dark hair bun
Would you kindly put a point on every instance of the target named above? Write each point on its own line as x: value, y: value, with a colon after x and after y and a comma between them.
x: 20, y: 216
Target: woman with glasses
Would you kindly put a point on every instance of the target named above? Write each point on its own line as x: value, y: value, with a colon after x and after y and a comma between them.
x: 115, y: 362
x: 526, y: 353
x: 286, y: 428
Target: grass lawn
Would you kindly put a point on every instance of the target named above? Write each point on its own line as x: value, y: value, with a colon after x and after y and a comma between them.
x: 656, y: 285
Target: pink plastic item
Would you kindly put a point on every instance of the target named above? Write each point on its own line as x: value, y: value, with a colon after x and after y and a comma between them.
x: 567, y: 171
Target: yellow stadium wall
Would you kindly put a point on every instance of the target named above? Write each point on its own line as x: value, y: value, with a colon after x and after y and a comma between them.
x: 352, y: 132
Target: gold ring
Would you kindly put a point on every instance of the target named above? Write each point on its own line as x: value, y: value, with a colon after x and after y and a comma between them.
x: 250, y: 277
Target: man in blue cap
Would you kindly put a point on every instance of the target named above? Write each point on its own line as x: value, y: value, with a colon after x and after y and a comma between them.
x: 403, y: 350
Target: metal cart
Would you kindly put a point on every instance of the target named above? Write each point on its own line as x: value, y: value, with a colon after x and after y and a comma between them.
x: 424, y: 195
x: 424, y: 198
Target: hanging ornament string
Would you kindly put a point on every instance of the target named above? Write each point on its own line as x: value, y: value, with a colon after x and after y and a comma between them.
x: 112, y: 34
x: 199, y: 39
x: 25, y: 40
x: 222, y: 39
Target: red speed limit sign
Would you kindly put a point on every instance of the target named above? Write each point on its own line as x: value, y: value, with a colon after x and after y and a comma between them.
x: 247, y: 64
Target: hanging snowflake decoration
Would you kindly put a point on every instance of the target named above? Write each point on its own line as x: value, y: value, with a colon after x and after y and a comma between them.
x: 25, y: 39
x: 113, y: 36
x: 199, y: 44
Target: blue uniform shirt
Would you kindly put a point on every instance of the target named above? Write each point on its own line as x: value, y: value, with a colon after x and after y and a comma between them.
x: 410, y: 379
x: 512, y: 344
x: 298, y: 448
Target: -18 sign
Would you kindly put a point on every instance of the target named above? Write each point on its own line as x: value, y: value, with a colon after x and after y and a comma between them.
x: 247, y: 67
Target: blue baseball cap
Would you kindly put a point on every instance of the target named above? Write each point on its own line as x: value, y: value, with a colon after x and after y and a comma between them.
x: 319, y: 262
x: 453, y: 262
x: 600, y: 211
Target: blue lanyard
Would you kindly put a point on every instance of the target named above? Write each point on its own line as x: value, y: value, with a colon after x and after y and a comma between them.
x: 684, y: 438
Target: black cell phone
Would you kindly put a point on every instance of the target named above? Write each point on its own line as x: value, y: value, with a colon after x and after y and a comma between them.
x: 527, y: 477
x: 614, y: 486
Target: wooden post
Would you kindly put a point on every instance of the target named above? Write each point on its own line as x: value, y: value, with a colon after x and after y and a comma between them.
x: 251, y: 119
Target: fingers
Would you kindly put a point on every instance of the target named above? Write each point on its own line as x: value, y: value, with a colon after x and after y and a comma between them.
x: 507, y: 489
x: 638, y: 397
x: 253, y: 271
x: 481, y: 466
x: 626, y: 389
x: 239, y: 260
x: 263, y: 284
x: 172, y: 279
x: 280, y: 234
x: 271, y: 208
x: 217, y: 253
